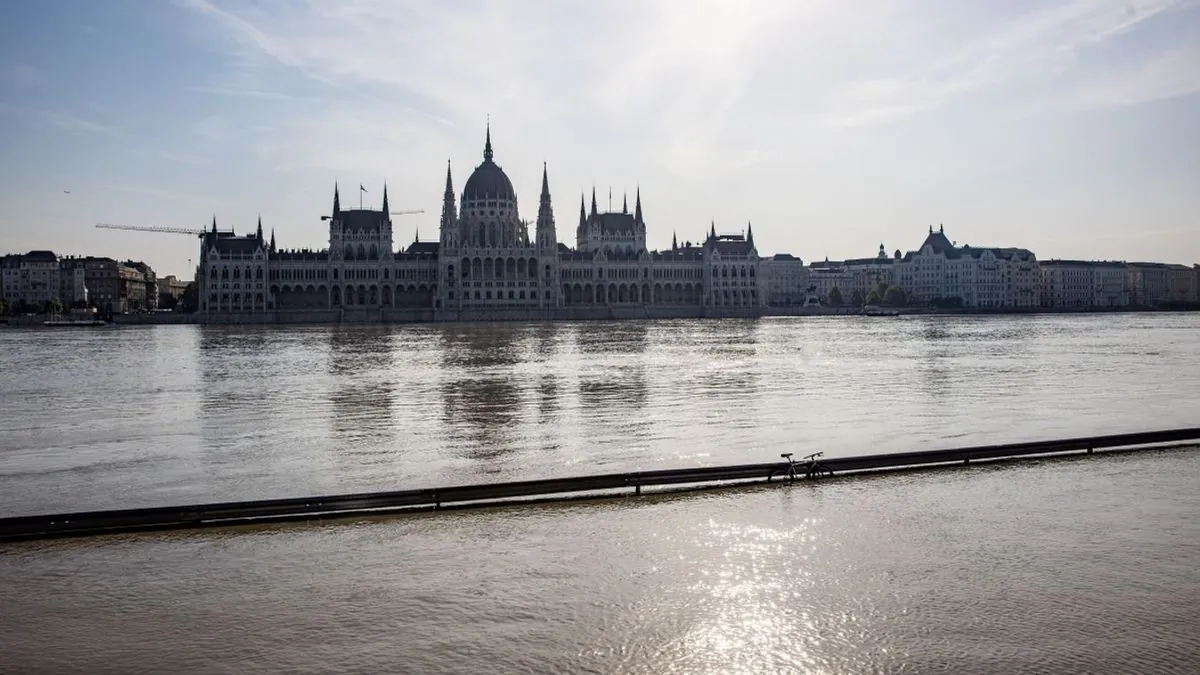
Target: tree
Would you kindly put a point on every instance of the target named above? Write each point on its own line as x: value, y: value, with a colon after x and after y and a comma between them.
x: 856, y: 298
x: 895, y: 297
x: 167, y: 301
x: 873, y: 297
x: 190, y: 300
x: 835, y: 297
x: 55, y: 306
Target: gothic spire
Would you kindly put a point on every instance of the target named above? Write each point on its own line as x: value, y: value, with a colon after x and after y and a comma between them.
x: 582, y: 211
x: 545, y: 184
x: 385, y: 204
x: 448, y: 216
x: 593, y: 200
x: 337, y: 209
x: 487, y: 146
x: 259, y: 232
x: 625, y: 203
x: 749, y: 233
x: 712, y: 234
x: 674, y: 242
x: 272, y: 240
x: 214, y: 228
x: 637, y: 208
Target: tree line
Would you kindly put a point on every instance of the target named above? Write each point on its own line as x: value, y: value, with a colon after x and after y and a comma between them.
x: 883, y: 294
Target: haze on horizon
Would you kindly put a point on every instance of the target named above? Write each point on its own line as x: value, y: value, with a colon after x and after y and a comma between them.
x: 1069, y: 128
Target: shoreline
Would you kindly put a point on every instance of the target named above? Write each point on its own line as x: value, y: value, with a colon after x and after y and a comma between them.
x: 385, y: 316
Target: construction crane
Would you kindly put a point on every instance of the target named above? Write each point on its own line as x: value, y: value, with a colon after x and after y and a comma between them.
x: 164, y: 230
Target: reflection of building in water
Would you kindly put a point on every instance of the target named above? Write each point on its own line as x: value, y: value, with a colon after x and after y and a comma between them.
x: 549, y: 392
x: 619, y: 387
x: 483, y: 410
x: 361, y: 386
x: 481, y: 400
x: 478, y: 346
x: 613, y: 337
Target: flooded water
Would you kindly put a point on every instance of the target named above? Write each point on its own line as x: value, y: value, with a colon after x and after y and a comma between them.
x: 1075, y: 566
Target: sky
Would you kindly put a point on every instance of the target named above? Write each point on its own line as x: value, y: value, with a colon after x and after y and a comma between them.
x: 1069, y: 128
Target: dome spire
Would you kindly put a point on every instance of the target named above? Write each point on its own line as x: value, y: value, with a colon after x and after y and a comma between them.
x: 487, y: 146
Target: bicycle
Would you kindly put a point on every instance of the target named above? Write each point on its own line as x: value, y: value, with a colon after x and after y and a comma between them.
x: 813, y: 468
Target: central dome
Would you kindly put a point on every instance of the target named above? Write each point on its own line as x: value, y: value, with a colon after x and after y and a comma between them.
x: 488, y: 180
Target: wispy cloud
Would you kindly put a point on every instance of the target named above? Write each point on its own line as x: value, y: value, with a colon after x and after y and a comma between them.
x: 169, y: 195
x: 62, y: 120
x: 1032, y: 48
x: 23, y: 75
x: 1163, y: 76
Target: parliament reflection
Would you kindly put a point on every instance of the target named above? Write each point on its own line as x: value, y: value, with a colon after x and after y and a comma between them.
x: 480, y: 346
x: 612, y: 337
x: 225, y: 354
x: 481, y: 400
x: 621, y: 387
x: 726, y: 338
x: 549, y: 391
x: 361, y: 388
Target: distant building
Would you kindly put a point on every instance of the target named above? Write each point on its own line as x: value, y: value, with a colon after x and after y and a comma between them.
x: 785, y: 280
x: 172, y: 287
x: 1181, y: 285
x: 974, y: 276
x: 1146, y: 283
x: 33, y: 278
x: 1083, y: 284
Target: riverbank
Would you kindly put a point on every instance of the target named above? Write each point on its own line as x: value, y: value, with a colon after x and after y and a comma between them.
x: 401, y: 316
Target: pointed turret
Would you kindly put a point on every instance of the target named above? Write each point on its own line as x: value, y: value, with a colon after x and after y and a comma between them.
x: 547, y: 238
x: 272, y: 240
x: 337, y: 209
x: 417, y: 236
x: 582, y: 212
x: 487, y: 145
x: 593, y: 200
x: 624, y: 203
x: 214, y: 225
x: 385, y: 204
x: 258, y: 233
x: 749, y: 234
x: 448, y: 212
x: 637, y: 206
x: 674, y: 242
x: 712, y: 233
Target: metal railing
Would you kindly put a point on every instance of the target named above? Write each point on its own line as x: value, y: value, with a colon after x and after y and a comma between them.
x: 241, y: 512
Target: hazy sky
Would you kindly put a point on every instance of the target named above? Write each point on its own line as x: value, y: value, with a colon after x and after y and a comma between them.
x: 1069, y: 128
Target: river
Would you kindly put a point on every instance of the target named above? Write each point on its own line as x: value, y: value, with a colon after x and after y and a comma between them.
x: 1070, y: 566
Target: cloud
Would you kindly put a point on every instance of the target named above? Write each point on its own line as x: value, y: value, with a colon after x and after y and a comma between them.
x: 1033, y: 47
x: 1163, y: 76
x: 169, y: 195
x: 23, y: 75
x: 62, y: 120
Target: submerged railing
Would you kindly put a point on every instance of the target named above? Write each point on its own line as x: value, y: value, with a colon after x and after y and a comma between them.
x: 87, y: 523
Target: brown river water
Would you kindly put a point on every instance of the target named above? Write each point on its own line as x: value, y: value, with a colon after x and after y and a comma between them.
x: 1085, y: 565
